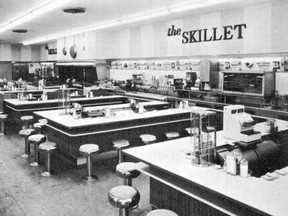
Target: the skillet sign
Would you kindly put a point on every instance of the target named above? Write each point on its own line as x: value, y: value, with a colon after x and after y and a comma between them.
x: 206, y: 35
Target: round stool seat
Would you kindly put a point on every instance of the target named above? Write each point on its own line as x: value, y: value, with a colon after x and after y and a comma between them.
x: 127, y: 170
x: 118, y: 144
x: 147, y: 138
x: 43, y: 121
x: 3, y: 116
x: 47, y: 146
x: 124, y: 196
x: 162, y: 212
x: 172, y: 134
x: 26, y: 132
x: 26, y: 118
x: 38, y: 125
x: 37, y: 138
x: 89, y: 148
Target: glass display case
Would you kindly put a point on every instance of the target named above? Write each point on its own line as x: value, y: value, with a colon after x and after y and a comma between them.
x: 250, y: 83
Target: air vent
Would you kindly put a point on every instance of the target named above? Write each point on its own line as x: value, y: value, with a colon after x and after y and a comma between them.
x: 75, y: 10
x: 20, y: 30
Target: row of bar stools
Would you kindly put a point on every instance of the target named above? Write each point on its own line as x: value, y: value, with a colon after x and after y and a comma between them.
x: 171, y: 135
x: 26, y: 120
x: 128, y: 171
x: 36, y: 140
x: 162, y: 212
x: 2, y: 120
x: 148, y: 138
x: 124, y: 197
x: 119, y: 145
x: 89, y: 150
x: 47, y: 147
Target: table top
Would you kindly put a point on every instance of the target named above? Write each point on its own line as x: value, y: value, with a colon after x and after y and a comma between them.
x: 267, y: 196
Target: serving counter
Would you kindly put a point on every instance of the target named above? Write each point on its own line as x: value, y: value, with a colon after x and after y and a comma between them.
x: 188, y: 190
x: 70, y: 133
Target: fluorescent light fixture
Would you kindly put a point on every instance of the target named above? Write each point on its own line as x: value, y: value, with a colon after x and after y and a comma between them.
x: 33, y: 14
x: 136, y: 18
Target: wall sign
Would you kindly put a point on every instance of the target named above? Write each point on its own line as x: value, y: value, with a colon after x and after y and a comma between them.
x: 52, y: 51
x: 206, y: 35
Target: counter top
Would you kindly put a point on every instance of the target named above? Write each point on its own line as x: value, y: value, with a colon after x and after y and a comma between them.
x: 121, y: 115
x: 267, y: 196
x: 17, y: 102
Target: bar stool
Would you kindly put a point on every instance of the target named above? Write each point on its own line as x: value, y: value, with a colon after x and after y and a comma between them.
x: 119, y: 145
x: 88, y: 150
x: 128, y: 171
x: 172, y: 135
x: 47, y: 147
x: 36, y: 139
x: 162, y: 212
x: 40, y: 125
x: 124, y: 197
x: 26, y: 120
x: 148, y: 138
x: 2, y: 119
x: 26, y: 133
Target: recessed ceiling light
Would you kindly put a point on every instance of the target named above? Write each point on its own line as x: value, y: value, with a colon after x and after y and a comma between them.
x: 20, y: 30
x: 75, y: 10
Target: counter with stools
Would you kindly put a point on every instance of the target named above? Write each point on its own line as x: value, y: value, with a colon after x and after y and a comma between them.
x: 171, y: 135
x: 127, y: 171
x: 148, y: 138
x: 47, y: 147
x: 119, y: 145
x: 26, y: 133
x: 26, y: 121
x: 2, y: 120
x: 124, y: 197
x: 36, y: 140
x: 89, y: 150
x: 162, y: 212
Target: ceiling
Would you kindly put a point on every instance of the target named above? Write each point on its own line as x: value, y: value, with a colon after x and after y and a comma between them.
x: 97, y: 11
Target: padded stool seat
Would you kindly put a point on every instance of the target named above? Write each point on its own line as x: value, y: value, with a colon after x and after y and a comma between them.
x: 127, y: 171
x: 148, y: 138
x: 2, y: 119
x: 162, y: 212
x: 26, y: 133
x: 38, y: 126
x: 26, y: 119
x: 48, y: 147
x: 191, y: 130
x: 89, y: 150
x: 124, y: 197
x: 119, y: 145
x: 36, y: 139
x: 172, y: 135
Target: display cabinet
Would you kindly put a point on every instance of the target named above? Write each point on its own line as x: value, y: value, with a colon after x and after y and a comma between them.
x: 249, y: 83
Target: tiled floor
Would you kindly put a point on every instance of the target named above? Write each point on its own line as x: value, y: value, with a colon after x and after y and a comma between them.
x: 23, y: 191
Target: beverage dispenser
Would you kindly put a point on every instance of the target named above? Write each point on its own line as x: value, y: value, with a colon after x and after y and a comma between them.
x: 203, y: 137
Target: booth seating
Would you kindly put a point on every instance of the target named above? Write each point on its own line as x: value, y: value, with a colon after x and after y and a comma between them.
x: 162, y: 212
x: 127, y: 171
x: 2, y: 120
x: 119, y: 145
x: 124, y: 197
x: 89, y: 150
x: 40, y: 125
x: 47, y: 147
x: 36, y: 140
x: 171, y: 135
x: 148, y: 138
x: 26, y: 121
x: 26, y: 133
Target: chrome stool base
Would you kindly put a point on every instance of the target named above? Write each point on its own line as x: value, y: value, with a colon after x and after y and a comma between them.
x: 90, y: 178
x: 24, y: 156
x: 46, y: 174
